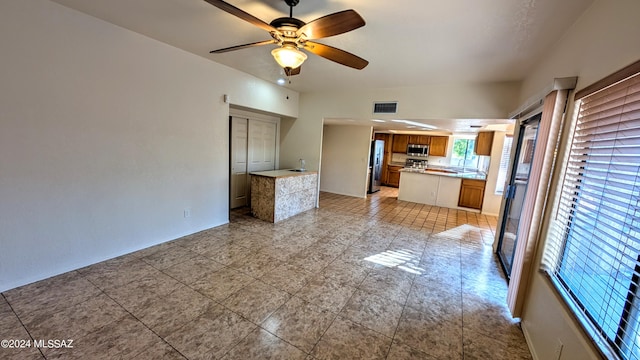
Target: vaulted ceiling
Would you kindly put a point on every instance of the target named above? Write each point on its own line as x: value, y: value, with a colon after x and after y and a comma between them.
x: 407, y: 43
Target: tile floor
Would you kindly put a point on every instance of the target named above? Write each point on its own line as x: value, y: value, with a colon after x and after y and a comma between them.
x: 355, y: 279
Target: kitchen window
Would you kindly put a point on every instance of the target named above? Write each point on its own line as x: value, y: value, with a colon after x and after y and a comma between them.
x: 592, y: 253
x: 462, y: 154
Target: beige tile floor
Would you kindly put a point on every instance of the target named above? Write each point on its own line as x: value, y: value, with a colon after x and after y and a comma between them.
x: 355, y: 279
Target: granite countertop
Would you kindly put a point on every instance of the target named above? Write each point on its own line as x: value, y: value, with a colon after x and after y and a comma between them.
x: 282, y: 173
x: 464, y: 175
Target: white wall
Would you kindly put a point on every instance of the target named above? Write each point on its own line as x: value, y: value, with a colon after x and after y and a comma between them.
x: 345, y: 159
x: 106, y: 137
x: 601, y: 42
x: 491, y: 202
x: 302, y: 137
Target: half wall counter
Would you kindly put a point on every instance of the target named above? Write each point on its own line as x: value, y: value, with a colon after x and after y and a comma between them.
x: 280, y: 194
x: 434, y: 187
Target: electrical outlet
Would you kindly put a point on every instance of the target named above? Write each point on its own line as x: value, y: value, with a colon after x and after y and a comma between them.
x: 187, y: 213
x: 558, y: 352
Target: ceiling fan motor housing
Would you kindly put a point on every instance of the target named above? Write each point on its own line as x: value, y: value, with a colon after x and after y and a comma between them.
x: 288, y: 27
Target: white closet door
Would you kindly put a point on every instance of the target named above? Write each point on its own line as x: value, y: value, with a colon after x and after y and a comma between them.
x: 262, y: 145
x: 239, y: 177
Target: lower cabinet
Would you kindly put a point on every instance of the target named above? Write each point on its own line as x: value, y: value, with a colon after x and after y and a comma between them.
x: 393, y: 175
x: 471, y: 193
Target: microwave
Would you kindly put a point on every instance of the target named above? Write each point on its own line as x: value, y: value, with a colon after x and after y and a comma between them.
x: 417, y: 150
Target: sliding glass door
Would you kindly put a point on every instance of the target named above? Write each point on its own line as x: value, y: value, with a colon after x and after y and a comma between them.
x: 516, y: 190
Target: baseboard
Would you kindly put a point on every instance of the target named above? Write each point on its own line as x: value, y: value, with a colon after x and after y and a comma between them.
x: 527, y: 338
x: 339, y: 193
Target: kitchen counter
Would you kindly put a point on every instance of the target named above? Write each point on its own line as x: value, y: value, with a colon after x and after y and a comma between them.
x: 439, y: 186
x: 279, y: 194
x: 282, y: 173
x: 439, y: 189
x: 441, y: 172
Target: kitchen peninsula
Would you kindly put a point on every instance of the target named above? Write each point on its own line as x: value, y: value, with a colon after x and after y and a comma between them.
x: 279, y: 194
x: 440, y: 187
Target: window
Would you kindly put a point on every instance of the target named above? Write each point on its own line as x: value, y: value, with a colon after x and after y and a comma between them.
x: 463, y: 155
x: 593, y: 250
x: 504, y: 164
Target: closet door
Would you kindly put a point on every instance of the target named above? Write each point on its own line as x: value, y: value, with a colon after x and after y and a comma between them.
x: 239, y: 179
x: 262, y: 145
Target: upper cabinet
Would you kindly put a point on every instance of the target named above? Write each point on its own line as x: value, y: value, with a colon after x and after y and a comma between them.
x: 419, y: 139
x: 484, y: 141
x: 400, y: 143
x: 438, y: 146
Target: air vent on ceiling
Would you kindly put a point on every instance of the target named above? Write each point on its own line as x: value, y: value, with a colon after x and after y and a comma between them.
x: 387, y: 107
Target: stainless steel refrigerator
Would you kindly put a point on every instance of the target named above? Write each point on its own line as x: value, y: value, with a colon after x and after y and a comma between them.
x: 375, y: 165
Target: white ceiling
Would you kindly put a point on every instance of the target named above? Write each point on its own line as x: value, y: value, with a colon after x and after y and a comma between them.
x: 407, y: 43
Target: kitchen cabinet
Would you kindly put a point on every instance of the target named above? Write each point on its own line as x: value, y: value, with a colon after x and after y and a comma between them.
x: 483, y: 143
x: 438, y: 146
x: 393, y: 175
x: 419, y: 139
x: 387, y: 154
x: 471, y: 193
x: 400, y: 143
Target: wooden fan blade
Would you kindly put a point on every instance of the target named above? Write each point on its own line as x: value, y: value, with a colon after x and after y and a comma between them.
x: 241, y: 14
x: 238, y: 47
x: 337, y: 55
x: 290, y: 72
x: 332, y: 24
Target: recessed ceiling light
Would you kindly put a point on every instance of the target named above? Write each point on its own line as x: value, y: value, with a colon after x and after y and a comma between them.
x: 281, y: 81
x: 416, y: 124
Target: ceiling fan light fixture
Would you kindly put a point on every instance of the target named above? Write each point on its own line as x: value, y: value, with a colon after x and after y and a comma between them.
x: 289, y: 56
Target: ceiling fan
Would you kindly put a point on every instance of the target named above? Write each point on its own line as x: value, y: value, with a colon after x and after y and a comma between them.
x: 291, y: 35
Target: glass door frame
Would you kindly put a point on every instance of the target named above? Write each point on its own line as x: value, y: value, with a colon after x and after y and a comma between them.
x: 510, y: 190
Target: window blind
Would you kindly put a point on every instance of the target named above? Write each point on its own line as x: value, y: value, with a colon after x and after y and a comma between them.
x: 504, y: 164
x: 593, y: 248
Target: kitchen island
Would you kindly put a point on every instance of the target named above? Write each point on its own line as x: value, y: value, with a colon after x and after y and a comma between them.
x: 433, y: 187
x: 279, y: 194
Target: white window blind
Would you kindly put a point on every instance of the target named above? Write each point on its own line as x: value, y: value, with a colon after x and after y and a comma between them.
x: 593, y: 248
x: 504, y: 164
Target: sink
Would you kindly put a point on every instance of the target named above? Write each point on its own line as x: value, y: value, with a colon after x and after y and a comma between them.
x: 442, y: 171
x: 298, y: 170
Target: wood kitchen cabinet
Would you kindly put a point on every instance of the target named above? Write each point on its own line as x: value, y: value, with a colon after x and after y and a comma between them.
x: 471, y: 193
x: 400, y: 143
x: 393, y: 175
x: 419, y: 139
x: 483, y: 144
x: 438, y: 146
x: 387, y: 154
